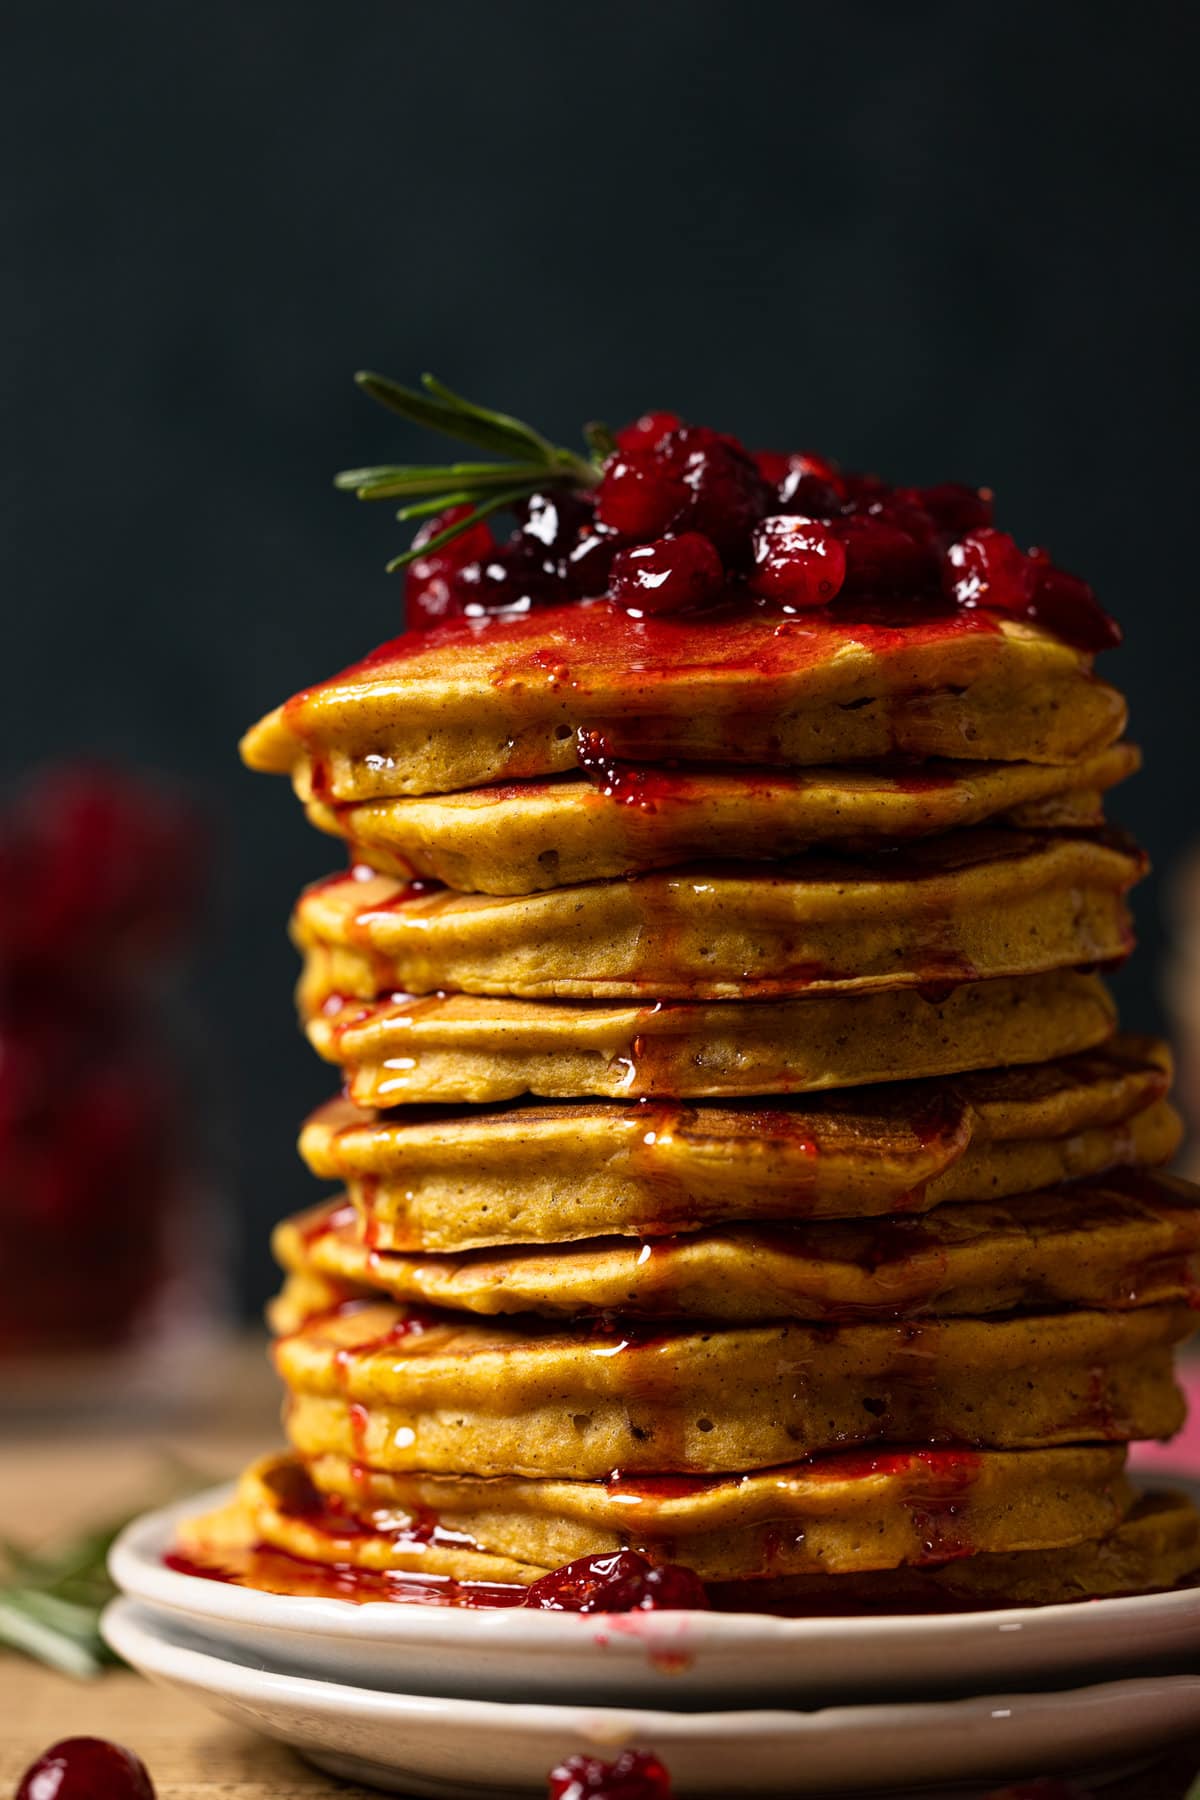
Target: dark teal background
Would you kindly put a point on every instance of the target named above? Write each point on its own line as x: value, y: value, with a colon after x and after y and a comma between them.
x: 941, y: 241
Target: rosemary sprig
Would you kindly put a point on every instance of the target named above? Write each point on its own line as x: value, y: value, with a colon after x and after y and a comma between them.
x: 51, y: 1600
x: 529, y: 463
x: 50, y: 1603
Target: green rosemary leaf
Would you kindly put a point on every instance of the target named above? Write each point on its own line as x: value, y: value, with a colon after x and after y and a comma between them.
x: 485, y: 418
x: 424, y: 509
x: 601, y: 440
x: 471, y: 425
x: 69, y: 1642
x: 390, y: 483
x: 495, y: 503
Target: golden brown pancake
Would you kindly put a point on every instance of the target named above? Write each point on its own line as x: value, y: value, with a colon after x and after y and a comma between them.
x: 476, y: 702
x: 519, y: 838
x: 1156, y: 1547
x: 466, y: 1048
x: 983, y: 903
x: 1133, y: 1240
x: 443, y: 1180
x: 840, y: 1515
x: 400, y: 1389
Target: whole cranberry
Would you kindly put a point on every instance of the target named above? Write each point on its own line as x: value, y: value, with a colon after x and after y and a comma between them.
x: 647, y: 431
x: 621, y: 1581
x: 635, y: 1775
x: 554, y: 520
x: 86, y: 1768
x: 955, y: 508
x: 668, y: 575
x: 638, y: 496
x: 429, y: 587
x: 881, y: 557
x: 1065, y: 606
x: 587, y: 564
x: 986, y: 568
x: 512, y: 578
x: 804, y: 482
x: 797, y: 560
x: 725, y: 494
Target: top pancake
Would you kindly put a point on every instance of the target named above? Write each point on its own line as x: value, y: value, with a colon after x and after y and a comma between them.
x: 474, y: 702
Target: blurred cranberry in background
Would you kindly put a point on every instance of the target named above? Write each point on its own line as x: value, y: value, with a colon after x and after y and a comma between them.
x: 101, y: 878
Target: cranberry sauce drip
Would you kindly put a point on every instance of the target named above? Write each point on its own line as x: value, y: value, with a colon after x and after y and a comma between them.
x: 635, y: 1775
x: 684, y: 516
x: 86, y: 1768
x: 619, y: 1582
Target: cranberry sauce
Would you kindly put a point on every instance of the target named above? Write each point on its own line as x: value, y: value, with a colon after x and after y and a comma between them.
x: 682, y: 516
x: 635, y: 1775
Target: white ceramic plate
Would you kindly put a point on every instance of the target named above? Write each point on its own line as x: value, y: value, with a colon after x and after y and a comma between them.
x: 666, y: 1659
x: 421, y: 1744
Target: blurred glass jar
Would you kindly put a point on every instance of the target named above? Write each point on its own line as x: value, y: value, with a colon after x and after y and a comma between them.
x: 111, y: 1247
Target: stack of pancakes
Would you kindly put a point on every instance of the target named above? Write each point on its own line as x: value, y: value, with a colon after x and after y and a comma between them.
x: 739, y: 1160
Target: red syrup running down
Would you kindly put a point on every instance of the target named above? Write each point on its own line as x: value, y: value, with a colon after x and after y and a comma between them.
x: 86, y: 1768
x: 683, y: 516
x: 619, y: 1582
x: 635, y: 1775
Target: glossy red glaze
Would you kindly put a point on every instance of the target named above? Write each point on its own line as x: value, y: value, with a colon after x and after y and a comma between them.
x: 619, y: 1582
x: 86, y: 1768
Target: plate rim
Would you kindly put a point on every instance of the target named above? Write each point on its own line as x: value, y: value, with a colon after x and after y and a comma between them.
x: 131, y: 1620
x: 136, y: 1567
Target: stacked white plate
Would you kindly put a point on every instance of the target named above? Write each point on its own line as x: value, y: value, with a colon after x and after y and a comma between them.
x: 428, y: 1700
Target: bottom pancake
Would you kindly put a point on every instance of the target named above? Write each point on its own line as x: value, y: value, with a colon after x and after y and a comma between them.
x: 398, y: 1390
x: 859, y: 1534
x: 1155, y: 1548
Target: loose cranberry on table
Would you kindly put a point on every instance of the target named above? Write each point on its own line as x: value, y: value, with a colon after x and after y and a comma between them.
x: 635, y: 1775
x: 86, y: 1768
x: 668, y: 575
x: 621, y: 1581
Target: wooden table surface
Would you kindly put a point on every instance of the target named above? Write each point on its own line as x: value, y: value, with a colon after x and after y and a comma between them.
x: 76, y: 1473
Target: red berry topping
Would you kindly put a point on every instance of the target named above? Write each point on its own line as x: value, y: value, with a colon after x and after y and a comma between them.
x: 638, y: 496
x: 554, y: 521
x: 882, y: 557
x: 726, y: 494
x: 586, y: 566
x: 954, y: 508
x: 1065, y: 606
x: 797, y: 561
x: 986, y: 568
x: 803, y: 482
x: 429, y: 587
x: 647, y: 431
x: 668, y: 575
x: 636, y: 1775
x: 86, y: 1768
x: 619, y: 1582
